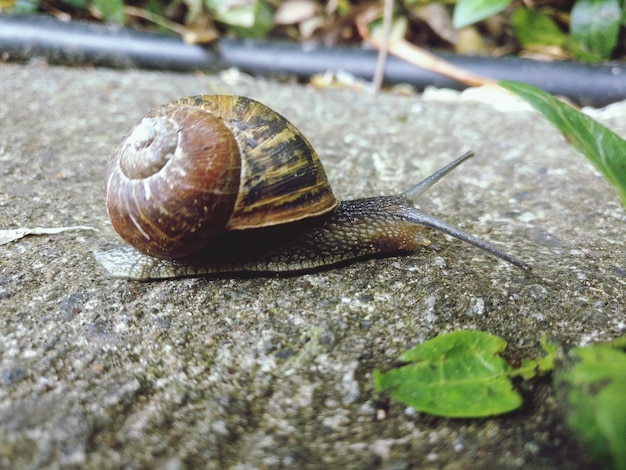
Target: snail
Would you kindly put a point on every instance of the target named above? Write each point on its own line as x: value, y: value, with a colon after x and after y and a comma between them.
x: 224, y: 184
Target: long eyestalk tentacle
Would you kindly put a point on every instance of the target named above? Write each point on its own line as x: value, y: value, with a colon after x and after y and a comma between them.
x: 414, y: 192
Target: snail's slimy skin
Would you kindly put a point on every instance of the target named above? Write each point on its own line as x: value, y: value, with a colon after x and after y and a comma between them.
x: 355, y: 230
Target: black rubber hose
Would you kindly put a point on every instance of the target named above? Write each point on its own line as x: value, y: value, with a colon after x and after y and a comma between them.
x: 594, y: 85
x: 78, y: 43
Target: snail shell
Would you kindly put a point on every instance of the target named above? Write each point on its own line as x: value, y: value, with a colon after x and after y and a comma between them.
x: 199, y: 166
x: 213, y: 184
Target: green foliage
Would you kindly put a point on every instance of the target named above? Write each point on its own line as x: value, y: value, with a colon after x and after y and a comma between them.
x: 538, y: 366
x: 78, y: 4
x: 592, y: 388
x: 461, y: 375
x: 25, y: 7
x: 594, y: 27
x: 589, y: 32
x: 112, y: 10
x: 399, y: 28
x: 467, y: 12
x: 605, y: 149
x: 534, y: 28
x: 458, y: 375
x: 248, y: 19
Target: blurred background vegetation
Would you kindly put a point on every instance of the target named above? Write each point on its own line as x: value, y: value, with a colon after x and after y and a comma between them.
x: 584, y: 30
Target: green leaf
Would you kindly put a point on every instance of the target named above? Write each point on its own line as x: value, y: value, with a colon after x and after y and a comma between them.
x: 532, y: 368
x: 594, y: 27
x: 618, y: 343
x: 112, y: 10
x: 25, y: 7
x: 603, y: 147
x: 467, y: 12
x: 77, y: 3
x: 457, y: 375
x: 251, y: 19
x: 592, y: 389
x: 534, y: 28
x: 399, y: 27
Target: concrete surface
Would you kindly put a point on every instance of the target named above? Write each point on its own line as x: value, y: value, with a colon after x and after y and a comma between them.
x: 276, y: 372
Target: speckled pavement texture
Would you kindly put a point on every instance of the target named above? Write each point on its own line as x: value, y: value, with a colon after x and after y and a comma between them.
x: 275, y: 372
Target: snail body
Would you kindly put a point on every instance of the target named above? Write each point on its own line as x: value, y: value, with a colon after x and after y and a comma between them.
x: 218, y: 184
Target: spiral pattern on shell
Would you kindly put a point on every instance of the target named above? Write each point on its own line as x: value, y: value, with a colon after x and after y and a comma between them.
x: 199, y: 166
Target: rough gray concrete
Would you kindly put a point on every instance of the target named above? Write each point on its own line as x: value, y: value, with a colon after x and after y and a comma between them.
x: 276, y: 372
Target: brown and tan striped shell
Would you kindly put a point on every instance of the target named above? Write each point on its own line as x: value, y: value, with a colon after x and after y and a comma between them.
x: 201, y: 165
